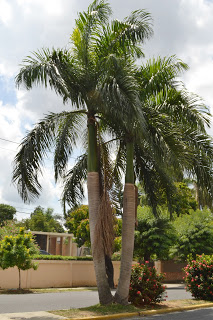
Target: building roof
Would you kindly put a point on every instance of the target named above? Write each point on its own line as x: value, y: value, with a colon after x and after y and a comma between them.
x: 53, y: 234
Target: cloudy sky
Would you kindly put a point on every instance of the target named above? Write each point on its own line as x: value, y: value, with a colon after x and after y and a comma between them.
x: 181, y: 27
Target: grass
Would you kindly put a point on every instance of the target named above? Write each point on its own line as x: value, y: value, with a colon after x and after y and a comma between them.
x: 15, y: 291
x: 98, y: 310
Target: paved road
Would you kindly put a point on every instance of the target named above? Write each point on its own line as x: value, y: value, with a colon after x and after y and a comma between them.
x: 202, y: 314
x: 63, y: 300
x: 47, y: 301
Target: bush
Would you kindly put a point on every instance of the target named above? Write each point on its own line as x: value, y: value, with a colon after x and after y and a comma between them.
x: 145, y: 285
x: 115, y: 257
x: 153, y: 237
x: 58, y: 257
x: 199, y: 277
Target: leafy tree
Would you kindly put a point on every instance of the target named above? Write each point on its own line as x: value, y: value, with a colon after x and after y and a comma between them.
x: 41, y: 220
x: 77, y: 223
x: 194, y: 234
x: 154, y: 236
x: 18, y: 251
x: 6, y: 213
x: 182, y: 201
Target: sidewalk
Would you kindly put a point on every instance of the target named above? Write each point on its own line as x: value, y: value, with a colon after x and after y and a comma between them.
x: 39, y: 315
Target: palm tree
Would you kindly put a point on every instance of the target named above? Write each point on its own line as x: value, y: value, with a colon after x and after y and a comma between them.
x: 96, y: 77
x: 175, y: 143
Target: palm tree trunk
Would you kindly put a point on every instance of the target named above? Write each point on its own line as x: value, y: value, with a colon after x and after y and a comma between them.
x: 128, y: 227
x: 93, y: 186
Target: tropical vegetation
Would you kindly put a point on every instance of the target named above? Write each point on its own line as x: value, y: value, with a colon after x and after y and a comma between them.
x: 154, y: 236
x: 143, y: 114
x: 194, y: 235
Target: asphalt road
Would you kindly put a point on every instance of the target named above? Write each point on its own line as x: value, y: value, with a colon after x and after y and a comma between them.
x: 63, y: 300
x: 201, y: 314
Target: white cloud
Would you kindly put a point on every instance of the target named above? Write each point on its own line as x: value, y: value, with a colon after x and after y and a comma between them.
x: 5, y: 12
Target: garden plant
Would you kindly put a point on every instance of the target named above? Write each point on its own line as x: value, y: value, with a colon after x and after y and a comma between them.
x: 199, y: 277
x: 145, y: 285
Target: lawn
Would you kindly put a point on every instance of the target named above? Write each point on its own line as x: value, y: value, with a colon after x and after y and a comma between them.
x: 98, y: 310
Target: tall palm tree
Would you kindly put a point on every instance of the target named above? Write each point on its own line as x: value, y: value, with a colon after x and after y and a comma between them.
x: 176, y: 142
x: 96, y: 76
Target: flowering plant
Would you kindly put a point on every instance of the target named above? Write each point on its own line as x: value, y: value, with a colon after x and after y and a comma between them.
x: 199, y: 277
x: 145, y: 285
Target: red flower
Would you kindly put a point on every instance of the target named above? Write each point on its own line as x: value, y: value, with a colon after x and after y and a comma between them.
x: 138, y: 292
x: 139, y: 278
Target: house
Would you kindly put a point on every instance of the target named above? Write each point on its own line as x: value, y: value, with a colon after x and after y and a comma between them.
x: 56, y: 243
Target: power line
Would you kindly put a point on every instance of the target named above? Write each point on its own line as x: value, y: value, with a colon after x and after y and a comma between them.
x: 25, y: 208
x: 23, y: 212
x: 19, y: 144
x: 9, y: 141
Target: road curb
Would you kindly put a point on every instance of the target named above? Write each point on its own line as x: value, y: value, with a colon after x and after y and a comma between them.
x: 111, y: 316
x: 148, y: 312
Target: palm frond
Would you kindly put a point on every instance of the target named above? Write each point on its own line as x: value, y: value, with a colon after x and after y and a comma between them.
x: 88, y: 26
x: 124, y: 37
x: 131, y: 32
x: 73, y: 191
x: 154, y: 177
x: 68, y: 133
x: 160, y: 73
x: 56, y: 69
x: 33, y: 150
x: 119, y: 91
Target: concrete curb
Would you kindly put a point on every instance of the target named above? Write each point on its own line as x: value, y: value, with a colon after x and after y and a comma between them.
x: 110, y: 316
x: 148, y: 312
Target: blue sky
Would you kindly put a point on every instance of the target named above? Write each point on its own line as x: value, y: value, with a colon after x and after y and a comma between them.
x: 181, y: 27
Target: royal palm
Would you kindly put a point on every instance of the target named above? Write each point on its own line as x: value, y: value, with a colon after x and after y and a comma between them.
x: 96, y: 76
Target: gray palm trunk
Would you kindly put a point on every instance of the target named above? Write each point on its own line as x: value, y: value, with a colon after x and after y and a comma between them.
x: 128, y: 227
x: 93, y: 185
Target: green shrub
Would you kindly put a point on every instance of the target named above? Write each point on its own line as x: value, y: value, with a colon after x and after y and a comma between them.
x: 199, y: 277
x: 145, y: 285
x: 115, y: 257
x: 57, y: 257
